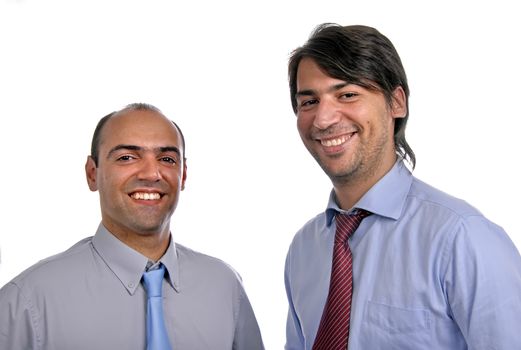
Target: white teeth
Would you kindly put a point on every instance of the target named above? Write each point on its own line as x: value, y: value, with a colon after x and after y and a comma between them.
x: 145, y: 196
x: 335, y: 142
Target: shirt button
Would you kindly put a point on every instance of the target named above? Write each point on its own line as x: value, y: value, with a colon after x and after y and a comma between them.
x: 130, y: 284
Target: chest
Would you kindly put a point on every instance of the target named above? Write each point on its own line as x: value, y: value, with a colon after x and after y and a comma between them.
x: 398, y: 299
x: 112, y: 318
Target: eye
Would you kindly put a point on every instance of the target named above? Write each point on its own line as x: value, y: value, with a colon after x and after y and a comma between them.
x: 125, y: 158
x: 348, y: 95
x: 168, y: 159
x: 307, y: 104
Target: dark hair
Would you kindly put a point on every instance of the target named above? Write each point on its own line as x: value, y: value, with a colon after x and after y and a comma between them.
x: 96, y: 138
x: 360, y: 55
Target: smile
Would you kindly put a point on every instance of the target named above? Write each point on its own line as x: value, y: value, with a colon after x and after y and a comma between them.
x: 337, y: 141
x: 146, y: 196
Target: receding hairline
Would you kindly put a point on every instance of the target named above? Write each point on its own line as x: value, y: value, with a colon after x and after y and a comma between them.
x: 126, y: 112
x: 99, y: 135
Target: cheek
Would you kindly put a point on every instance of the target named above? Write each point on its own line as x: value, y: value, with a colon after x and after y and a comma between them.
x: 303, y: 124
x: 110, y: 184
x: 174, y: 179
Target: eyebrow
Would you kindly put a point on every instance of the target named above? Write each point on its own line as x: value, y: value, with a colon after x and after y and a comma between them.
x: 139, y: 148
x: 311, y: 92
x: 170, y: 149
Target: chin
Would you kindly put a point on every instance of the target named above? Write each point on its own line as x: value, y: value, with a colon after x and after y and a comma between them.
x: 147, y: 229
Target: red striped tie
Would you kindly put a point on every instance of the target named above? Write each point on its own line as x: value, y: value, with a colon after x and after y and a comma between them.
x: 333, y: 332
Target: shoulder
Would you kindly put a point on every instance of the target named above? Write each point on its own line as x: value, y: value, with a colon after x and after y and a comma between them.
x: 465, y: 225
x: 47, y: 270
x: 191, y: 261
x: 311, y: 230
x: 428, y: 197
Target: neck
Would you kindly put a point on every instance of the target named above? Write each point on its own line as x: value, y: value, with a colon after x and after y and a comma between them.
x: 151, y: 245
x: 349, y: 191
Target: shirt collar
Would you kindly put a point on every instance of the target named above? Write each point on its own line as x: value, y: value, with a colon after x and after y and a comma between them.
x: 129, y: 265
x: 169, y: 259
x: 386, y: 197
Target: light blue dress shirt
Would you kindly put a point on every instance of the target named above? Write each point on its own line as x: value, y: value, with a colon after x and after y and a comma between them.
x: 429, y: 272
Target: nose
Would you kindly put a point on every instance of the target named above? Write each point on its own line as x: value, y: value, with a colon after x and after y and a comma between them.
x: 149, y: 169
x: 327, y: 114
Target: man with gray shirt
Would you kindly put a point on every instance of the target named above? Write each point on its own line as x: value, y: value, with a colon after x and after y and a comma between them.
x: 96, y: 295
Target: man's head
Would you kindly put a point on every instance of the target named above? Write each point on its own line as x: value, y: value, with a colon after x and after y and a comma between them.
x: 361, y: 56
x: 137, y: 164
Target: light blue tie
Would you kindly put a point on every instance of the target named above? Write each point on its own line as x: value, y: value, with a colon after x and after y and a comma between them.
x: 157, y: 338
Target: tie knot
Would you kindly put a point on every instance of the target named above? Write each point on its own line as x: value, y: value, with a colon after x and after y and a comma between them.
x: 153, y: 281
x: 346, y: 225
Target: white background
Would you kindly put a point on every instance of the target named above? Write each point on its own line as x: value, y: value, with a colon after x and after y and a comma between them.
x: 218, y: 68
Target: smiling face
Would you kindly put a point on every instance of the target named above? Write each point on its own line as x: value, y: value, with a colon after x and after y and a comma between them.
x: 140, y: 173
x: 347, y: 128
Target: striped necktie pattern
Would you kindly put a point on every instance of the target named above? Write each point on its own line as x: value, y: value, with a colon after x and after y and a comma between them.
x: 333, y: 331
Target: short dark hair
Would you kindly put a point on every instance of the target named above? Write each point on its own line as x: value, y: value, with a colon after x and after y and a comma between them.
x: 96, y: 137
x: 360, y: 55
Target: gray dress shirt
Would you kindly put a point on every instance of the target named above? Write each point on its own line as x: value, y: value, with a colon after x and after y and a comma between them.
x: 91, y: 297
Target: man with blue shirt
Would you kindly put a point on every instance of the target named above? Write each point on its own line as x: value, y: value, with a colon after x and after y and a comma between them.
x: 420, y: 269
x: 130, y: 286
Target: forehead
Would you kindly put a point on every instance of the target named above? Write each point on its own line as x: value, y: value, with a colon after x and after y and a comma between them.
x: 144, y: 128
x: 309, y: 72
x: 313, y: 79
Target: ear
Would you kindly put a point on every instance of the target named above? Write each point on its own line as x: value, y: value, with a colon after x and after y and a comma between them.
x: 91, y: 172
x: 399, y: 103
x: 183, y: 180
